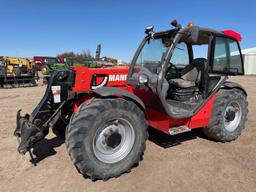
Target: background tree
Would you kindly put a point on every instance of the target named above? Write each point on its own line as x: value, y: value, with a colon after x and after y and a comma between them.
x: 79, y: 57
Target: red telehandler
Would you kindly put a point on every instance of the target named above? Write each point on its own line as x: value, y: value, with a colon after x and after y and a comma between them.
x: 107, y: 126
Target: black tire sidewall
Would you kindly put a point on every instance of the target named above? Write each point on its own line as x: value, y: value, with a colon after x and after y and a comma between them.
x: 59, y: 128
x: 94, y: 118
x: 240, y: 99
x: 216, y: 128
x: 98, y: 126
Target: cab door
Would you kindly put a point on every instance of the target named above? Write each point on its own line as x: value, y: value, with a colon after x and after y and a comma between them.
x: 226, y: 56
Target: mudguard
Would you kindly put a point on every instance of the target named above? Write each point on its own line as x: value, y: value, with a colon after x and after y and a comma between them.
x: 114, y: 91
x: 231, y: 85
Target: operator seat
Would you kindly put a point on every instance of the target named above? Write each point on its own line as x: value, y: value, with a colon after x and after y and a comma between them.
x: 188, y: 85
x: 190, y: 75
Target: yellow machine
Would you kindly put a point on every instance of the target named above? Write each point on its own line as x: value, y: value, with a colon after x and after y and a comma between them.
x: 16, y: 71
x: 18, y: 66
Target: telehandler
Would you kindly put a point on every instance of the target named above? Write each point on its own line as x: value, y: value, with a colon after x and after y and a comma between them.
x: 167, y: 88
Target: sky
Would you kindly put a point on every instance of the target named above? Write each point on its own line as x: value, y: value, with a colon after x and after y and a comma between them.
x: 49, y: 27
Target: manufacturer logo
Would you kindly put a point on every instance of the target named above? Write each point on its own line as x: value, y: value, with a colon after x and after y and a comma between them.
x: 101, y: 80
x: 118, y: 77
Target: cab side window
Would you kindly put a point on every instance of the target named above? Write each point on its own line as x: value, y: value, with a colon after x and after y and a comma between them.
x: 227, y: 58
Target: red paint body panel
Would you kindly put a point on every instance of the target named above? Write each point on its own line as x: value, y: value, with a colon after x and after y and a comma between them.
x: 233, y: 34
x: 111, y: 77
x: 155, y: 115
x: 162, y: 121
x: 202, y: 117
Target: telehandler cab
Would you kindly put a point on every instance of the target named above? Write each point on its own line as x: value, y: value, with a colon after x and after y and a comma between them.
x: 170, y: 87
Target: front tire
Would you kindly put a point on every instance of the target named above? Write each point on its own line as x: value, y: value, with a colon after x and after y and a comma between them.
x: 228, y: 116
x: 106, y: 138
x: 59, y: 128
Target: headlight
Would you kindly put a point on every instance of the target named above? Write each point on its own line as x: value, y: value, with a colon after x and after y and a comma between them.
x: 143, y: 79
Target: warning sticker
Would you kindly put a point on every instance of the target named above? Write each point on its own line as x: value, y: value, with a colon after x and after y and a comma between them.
x: 56, y: 90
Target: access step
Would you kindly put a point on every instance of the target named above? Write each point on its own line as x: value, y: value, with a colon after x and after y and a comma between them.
x: 178, y: 130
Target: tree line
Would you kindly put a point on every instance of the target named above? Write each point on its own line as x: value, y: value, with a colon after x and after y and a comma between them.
x: 85, y: 56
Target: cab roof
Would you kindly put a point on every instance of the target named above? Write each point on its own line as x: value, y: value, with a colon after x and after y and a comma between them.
x: 202, y: 33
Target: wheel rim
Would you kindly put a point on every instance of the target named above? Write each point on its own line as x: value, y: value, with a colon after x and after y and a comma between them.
x: 43, y: 70
x: 114, y: 141
x: 232, y: 116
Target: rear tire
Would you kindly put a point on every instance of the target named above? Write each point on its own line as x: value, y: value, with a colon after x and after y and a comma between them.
x: 228, y: 116
x: 106, y: 138
x: 45, y: 70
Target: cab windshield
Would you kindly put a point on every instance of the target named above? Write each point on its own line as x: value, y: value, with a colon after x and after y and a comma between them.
x: 51, y: 60
x: 151, y: 55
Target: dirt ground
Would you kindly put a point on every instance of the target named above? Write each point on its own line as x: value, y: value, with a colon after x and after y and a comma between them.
x: 188, y: 162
